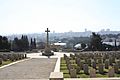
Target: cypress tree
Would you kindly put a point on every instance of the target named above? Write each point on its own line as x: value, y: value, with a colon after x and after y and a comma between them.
x: 21, y: 44
x: 0, y: 42
x: 31, y: 44
x: 34, y: 43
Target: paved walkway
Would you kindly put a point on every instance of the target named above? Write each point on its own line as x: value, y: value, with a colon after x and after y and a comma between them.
x: 57, y: 55
x: 39, y: 68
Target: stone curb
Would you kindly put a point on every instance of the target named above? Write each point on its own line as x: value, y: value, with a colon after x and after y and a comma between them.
x: 57, y: 66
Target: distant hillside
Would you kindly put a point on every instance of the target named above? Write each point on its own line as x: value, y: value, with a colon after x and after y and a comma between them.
x: 56, y: 36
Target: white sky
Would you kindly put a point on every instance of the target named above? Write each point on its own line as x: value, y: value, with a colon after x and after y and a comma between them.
x: 31, y: 16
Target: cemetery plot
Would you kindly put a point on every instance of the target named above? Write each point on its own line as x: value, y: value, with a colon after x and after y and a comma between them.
x: 6, y: 58
x: 91, y: 65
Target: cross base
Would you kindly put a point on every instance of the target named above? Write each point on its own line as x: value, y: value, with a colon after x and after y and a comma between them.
x: 47, y: 52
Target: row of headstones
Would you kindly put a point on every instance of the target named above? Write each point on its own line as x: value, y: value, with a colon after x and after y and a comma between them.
x: 71, y: 68
x: 111, y: 73
x: 11, y: 57
x: 93, y: 63
x: 112, y: 60
x: 85, y: 67
x: 74, y: 70
x: 105, y: 55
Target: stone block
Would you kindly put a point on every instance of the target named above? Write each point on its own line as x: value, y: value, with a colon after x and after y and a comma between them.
x: 85, y: 68
x: 101, y: 68
x: 111, y: 72
x: 92, y: 73
x: 106, y: 64
x: 73, y: 73
x: 56, y: 76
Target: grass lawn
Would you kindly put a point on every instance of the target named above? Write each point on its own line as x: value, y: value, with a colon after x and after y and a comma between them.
x: 5, y: 63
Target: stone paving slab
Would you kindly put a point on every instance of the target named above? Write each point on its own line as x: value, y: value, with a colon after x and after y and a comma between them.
x: 39, y: 68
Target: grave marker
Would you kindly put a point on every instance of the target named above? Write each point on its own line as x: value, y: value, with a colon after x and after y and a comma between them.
x: 92, y: 73
x: 85, y: 68
x: 111, y: 72
x: 101, y: 69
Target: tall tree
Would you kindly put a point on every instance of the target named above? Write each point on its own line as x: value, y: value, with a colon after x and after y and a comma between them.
x: 31, y: 44
x: 96, y: 42
x: 0, y: 42
x: 21, y: 44
x: 4, y: 44
x: 34, y: 43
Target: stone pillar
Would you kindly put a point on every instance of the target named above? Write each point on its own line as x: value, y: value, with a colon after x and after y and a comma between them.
x: 47, y: 37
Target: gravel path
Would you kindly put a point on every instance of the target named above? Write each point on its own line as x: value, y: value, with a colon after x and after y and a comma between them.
x: 39, y: 68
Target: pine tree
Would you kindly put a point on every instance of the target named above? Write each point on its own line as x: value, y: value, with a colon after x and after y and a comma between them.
x: 96, y: 42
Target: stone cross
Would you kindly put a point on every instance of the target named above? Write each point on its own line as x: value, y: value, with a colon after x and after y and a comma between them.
x: 47, y: 37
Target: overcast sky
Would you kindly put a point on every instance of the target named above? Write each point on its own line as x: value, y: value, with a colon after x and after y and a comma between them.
x: 31, y: 16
